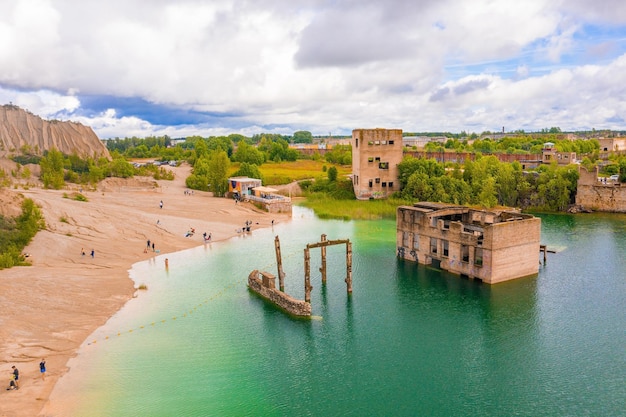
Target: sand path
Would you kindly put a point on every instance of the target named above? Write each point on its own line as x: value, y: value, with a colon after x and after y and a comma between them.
x: 51, y: 307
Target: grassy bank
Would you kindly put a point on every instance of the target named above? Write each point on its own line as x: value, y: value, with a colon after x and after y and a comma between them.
x: 277, y: 173
x: 329, y: 208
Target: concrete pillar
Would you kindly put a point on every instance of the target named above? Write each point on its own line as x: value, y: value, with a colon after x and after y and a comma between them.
x: 349, y: 267
x: 323, y: 267
x: 279, y: 263
x: 307, y: 276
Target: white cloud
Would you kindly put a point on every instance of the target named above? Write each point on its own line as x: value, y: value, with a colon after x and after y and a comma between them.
x: 44, y: 103
x: 422, y: 65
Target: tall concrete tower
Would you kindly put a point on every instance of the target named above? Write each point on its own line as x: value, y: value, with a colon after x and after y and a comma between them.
x: 376, y: 154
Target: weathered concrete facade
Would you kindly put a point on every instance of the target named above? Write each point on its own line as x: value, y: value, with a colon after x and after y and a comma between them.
x: 594, y: 195
x: 490, y: 246
x: 266, y: 288
x: 550, y: 154
x: 612, y: 144
x: 376, y: 154
x: 268, y: 199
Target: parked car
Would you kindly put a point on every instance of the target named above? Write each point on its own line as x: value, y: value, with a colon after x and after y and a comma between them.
x: 614, y: 177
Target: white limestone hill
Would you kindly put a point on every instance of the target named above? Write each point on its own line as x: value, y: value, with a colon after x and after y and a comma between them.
x: 19, y: 128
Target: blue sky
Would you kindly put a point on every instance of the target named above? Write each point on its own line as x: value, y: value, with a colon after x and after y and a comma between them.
x: 196, y: 67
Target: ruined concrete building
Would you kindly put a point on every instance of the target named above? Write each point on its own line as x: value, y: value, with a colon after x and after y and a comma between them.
x: 376, y: 154
x: 488, y: 245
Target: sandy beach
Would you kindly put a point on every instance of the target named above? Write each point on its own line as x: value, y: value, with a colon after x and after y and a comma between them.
x: 51, y: 307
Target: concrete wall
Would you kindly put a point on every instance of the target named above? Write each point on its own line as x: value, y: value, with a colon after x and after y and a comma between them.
x: 279, y: 207
x: 514, y: 249
x: 598, y: 196
x: 279, y: 298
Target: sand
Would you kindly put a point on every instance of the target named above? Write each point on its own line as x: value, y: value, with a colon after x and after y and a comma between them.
x: 51, y: 307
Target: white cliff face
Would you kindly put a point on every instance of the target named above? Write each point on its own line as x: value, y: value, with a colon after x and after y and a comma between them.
x: 19, y: 128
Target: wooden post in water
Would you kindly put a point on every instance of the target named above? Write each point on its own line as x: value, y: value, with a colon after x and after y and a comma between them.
x: 323, y: 267
x: 279, y: 262
x: 307, y: 275
x: 349, y: 266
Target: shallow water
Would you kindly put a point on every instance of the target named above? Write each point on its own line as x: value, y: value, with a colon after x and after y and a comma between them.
x: 409, y: 341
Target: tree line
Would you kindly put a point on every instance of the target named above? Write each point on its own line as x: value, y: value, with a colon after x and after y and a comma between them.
x: 487, y: 182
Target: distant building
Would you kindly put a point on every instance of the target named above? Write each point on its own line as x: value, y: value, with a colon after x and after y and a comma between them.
x: 250, y: 189
x: 421, y: 141
x: 376, y: 154
x: 550, y: 154
x: 242, y: 186
x: 487, y: 245
x: 600, y: 194
x: 612, y: 144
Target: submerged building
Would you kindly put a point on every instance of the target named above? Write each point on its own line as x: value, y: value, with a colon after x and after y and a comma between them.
x: 492, y: 246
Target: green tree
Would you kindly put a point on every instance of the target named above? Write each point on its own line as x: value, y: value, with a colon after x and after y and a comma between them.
x: 121, y: 168
x: 199, y: 178
x: 248, y: 170
x: 52, y: 171
x: 622, y: 169
x: 417, y: 187
x: 434, y: 146
x: 410, y: 165
x: 506, y: 179
x: 221, y: 143
x: 219, y: 165
x: 201, y: 148
x: 488, y: 194
x: 555, y: 193
x: 332, y: 174
x: 249, y: 154
x: 339, y: 154
x: 302, y: 136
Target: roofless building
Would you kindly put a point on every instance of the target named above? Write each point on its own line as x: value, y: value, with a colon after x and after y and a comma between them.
x: 492, y: 246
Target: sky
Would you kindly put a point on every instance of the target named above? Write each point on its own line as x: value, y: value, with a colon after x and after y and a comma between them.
x: 210, y: 68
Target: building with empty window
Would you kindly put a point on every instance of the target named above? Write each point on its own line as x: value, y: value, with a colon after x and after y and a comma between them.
x: 492, y: 246
x: 376, y: 154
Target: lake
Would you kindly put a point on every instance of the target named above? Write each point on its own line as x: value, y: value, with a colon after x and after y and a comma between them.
x: 409, y: 341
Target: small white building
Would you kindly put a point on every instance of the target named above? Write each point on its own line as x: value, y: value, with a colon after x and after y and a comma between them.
x: 239, y: 187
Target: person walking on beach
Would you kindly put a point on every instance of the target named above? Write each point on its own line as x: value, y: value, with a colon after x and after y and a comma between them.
x: 82, y: 252
x: 93, y: 253
x: 16, y: 377
x: 161, y: 204
x: 42, y: 369
x: 152, y: 246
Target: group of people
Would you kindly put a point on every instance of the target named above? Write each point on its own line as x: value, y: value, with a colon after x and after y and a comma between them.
x: 149, y: 245
x: 207, y: 238
x: 93, y: 253
x: 14, y: 383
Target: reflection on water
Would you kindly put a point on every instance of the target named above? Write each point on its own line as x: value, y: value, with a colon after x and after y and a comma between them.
x: 410, y: 340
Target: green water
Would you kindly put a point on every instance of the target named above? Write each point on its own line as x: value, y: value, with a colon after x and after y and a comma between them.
x: 409, y: 341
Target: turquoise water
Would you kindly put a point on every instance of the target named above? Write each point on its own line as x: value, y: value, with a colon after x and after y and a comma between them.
x: 409, y: 341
